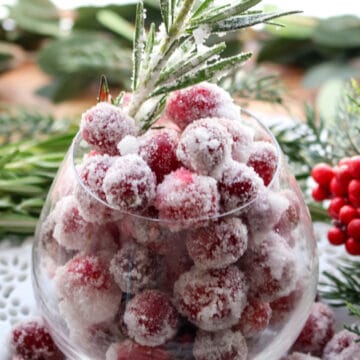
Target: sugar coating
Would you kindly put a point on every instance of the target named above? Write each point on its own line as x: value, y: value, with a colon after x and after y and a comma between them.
x: 130, y: 350
x: 264, y: 213
x: 200, y: 101
x: 128, y: 145
x: 93, y: 210
x: 158, y: 149
x: 104, y: 125
x: 317, y: 331
x: 150, y: 318
x: 185, y: 197
x: 212, y: 299
x: 254, y: 319
x: 238, y: 184
x: 204, y: 145
x: 300, y: 356
x: 283, y: 306
x: 221, y: 345
x: 342, y: 346
x: 218, y: 245
x: 93, y: 171
x: 86, y: 291
x: 71, y: 230
x: 263, y: 159
x: 31, y: 340
x: 242, y: 136
x: 269, y: 265
x: 129, y: 184
x: 134, y: 268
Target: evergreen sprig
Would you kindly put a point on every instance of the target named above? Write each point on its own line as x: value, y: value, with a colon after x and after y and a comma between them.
x: 176, y: 56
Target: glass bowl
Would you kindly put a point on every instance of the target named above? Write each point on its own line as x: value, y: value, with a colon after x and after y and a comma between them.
x: 108, y: 281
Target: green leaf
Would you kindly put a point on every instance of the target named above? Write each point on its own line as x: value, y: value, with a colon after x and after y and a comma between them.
x: 242, y: 21
x: 164, y: 8
x: 204, y: 5
x: 138, y: 43
x: 114, y: 22
x: 150, y: 40
x: 216, y: 70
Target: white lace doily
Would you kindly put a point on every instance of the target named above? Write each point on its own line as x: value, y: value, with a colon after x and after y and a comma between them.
x: 17, y: 299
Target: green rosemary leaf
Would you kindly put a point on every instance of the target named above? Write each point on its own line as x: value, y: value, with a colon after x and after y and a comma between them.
x: 114, y: 22
x: 172, y: 11
x: 150, y: 40
x: 165, y: 13
x: 154, y: 113
x: 202, y: 7
x: 138, y: 43
x: 216, y: 70
x: 242, y: 21
x: 17, y: 223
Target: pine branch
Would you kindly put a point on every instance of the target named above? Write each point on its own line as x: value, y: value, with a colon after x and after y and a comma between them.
x: 166, y: 65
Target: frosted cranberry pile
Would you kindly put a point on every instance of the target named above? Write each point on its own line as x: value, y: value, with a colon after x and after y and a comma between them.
x: 341, y: 185
x: 165, y: 266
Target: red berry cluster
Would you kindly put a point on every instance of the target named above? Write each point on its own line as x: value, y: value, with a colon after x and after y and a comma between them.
x: 341, y: 184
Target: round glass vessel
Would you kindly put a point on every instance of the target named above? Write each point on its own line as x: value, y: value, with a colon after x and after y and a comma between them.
x: 111, y: 282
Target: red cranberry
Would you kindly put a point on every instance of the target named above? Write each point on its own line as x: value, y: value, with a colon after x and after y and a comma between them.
x: 322, y: 173
x: 335, y: 205
x: 353, y: 229
x: 347, y: 213
x: 158, y: 149
x: 31, y: 340
x: 254, y: 319
x: 263, y: 159
x: 238, y: 184
x: 104, y: 125
x: 337, y: 188
x: 318, y: 330
x: 352, y: 246
x: 342, y: 174
x: 354, y: 167
x: 213, y: 299
x: 129, y: 184
x: 219, y: 244
x: 221, y: 345
x: 336, y: 236
x: 343, y: 346
x: 354, y: 192
x: 129, y: 350
x: 200, y: 101
x: 204, y: 145
x: 150, y: 318
x: 319, y: 193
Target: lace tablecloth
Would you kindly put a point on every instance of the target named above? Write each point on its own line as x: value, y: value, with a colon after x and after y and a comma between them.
x: 17, y: 299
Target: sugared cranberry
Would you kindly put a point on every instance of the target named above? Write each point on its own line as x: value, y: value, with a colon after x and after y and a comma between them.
x: 338, y: 188
x: 213, y: 299
x: 353, y: 229
x: 342, y: 346
x: 158, y: 149
x: 319, y: 193
x: 354, y: 192
x: 238, y: 184
x: 129, y: 184
x: 336, y: 236
x: 219, y: 244
x: 242, y: 137
x: 352, y: 246
x: 129, y: 350
x: 263, y: 159
x: 134, y: 268
x: 354, y: 167
x: 87, y: 291
x: 269, y: 264
x: 185, y: 197
x: 221, y: 345
x: 150, y: 318
x: 71, y: 230
x: 300, y: 356
x: 200, y: 101
x: 204, y: 145
x: 335, y: 205
x: 318, y: 330
x: 254, y: 319
x: 322, y: 173
x: 93, y: 171
x: 104, y: 125
x: 31, y: 340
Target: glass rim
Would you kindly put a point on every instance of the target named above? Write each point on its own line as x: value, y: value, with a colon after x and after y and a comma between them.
x: 241, y: 208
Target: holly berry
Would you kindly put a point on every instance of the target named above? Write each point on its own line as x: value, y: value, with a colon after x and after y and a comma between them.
x: 336, y: 204
x: 354, y: 167
x: 347, y: 213
x: 322, y: 174
x: 352, y: 246
x: 338, y: 188
x: 354, y: 192
x: 336, y: 236
x: 353, y: 229
x: 319, y: 193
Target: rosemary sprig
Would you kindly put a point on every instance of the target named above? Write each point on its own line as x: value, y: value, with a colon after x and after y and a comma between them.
x: 176, y: 56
